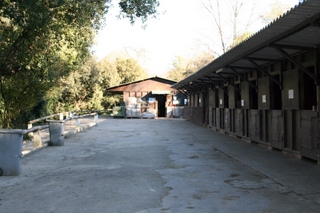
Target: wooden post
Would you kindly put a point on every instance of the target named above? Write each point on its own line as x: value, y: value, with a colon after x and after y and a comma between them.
x: 95, y: 118
x: 37, y: 139
x: 30, y: 134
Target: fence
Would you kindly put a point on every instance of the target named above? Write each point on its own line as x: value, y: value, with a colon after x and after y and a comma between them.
x: 53, y: 131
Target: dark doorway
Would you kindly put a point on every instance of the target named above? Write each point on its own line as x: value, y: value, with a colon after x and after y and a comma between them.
x: 253, y: 96
x: 308, y: 91
x: 276, y: 98
x: 161, y: 99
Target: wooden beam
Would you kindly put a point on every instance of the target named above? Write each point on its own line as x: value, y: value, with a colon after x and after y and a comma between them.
x: 266, y: 73
x: 244, y: 78
x: 298, y: 64
x: 264, y: 59
x: 229, y: 82
x: 226, y: 91
x: 291, y: 47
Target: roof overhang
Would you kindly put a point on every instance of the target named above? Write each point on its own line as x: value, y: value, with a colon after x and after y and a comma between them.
x: 160, y: 92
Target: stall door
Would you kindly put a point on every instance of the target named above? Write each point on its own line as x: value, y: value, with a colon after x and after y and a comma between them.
x: 239, y: 122
x: 227, y: 120
x: 309, y: 125
x: 254, y: 125
x: 277, y: 129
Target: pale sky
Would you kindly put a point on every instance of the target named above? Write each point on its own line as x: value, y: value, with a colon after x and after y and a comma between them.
x: 180, y: 30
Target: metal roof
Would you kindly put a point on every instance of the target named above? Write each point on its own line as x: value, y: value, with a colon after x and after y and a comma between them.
x: 295, y: 31
x: 156, y: 78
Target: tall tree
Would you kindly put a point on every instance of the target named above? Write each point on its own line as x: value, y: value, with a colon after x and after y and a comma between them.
x: 184, y: 67
x: 240, y: 39
x: 230, y: 19
x: 32, y: 31
x: 46, y: 40
x: 83, y: 89
x: 17, y: 96
x: 177, y: 72
x: 129, y: 70
x: 277, y: 9
x: 134, y: 9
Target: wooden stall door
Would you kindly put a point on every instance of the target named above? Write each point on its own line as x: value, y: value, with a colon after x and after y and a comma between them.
x: 227, y: 119
x: 277, y: 129
x: 309, y: 131
x: 254, y: 125
x: 239, y: 122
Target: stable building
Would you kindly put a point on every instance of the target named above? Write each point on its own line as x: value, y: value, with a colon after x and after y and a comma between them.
x: 154, y: 95
x: 267, y: 89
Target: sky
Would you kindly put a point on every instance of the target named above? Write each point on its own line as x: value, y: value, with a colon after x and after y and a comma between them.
x: 180, y: 29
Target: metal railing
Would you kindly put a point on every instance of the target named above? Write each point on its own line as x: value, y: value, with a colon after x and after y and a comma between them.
x: 12, y: 144
x: 66, y: 116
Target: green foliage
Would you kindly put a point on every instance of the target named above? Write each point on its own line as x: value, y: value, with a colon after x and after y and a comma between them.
x: 43, y: 45
x: 106, y: 69
x: 240, y: 39
x: 19, y: 95
x: 129, y: 70
x: 277, y: 9
x: 184, y: 67
x: 84, y: 88
x: 111, y: 100
x: 134, y: 9
x: 34, y: 31
x: 176, y: 74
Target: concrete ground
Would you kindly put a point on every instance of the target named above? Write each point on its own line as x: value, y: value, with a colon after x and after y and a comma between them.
x: 159, y: 165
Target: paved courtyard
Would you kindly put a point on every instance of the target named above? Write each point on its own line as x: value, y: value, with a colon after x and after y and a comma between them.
x: 159, y: 165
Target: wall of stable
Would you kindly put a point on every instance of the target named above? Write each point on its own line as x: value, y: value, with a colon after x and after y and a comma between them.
x: 285, y: 119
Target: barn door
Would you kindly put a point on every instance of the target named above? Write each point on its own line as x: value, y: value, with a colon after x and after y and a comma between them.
x: 309, y: 126
x: 277, y: 129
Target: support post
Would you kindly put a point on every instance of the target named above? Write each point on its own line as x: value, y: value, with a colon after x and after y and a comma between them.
x: 30, y: 134
x: 95, y: 118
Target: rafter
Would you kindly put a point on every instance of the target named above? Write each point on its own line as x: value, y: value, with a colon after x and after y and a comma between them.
x: 244, y: 78
x: 298, y: 64
x: 266, y: 73
x: 229, y: 82
x: 214, y: 82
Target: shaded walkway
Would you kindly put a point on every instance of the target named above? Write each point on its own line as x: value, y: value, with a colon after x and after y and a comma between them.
x: 162, y: 165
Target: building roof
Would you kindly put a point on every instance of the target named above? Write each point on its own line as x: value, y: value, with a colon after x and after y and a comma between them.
x: 153, y: 87
x: 295, y: 31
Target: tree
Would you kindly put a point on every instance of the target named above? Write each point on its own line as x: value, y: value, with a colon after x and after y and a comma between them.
x: 240, y: 39
x: 83, y: 89
x: 277, y: 9
x: 230, y: 19
x: 179, y: 66
x: 47, y: 40
x: 184, y: 67
x: 134, y: 9
x: 129, y: 70
x: 107, y: 70
x: 34, y: 30
x: 17, y: 96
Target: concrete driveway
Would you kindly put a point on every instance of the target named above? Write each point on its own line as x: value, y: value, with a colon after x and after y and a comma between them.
x: 159, y: 165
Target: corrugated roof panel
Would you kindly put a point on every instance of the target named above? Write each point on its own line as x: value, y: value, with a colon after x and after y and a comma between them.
x: 267, y: 52
x: 306, y: 38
